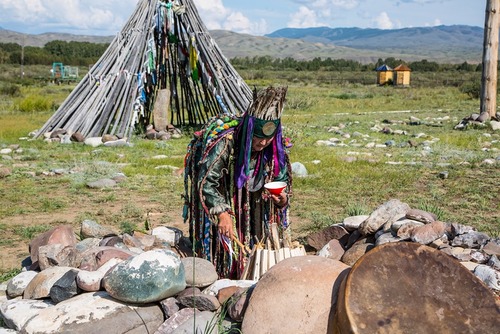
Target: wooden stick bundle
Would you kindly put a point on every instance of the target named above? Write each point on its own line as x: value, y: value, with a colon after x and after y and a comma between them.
x: 118, y: 93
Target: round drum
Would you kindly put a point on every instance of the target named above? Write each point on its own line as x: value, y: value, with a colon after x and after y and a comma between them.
x: 411, y: 288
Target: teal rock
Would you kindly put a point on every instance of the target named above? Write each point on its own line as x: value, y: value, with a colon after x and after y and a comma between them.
x: 148, y: 277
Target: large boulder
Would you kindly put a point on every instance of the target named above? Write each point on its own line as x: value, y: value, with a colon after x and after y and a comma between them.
x: 147, y: 277
x: 94, y: 313
x: 297, y: 295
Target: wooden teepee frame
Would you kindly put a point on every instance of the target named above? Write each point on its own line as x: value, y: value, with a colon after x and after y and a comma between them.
x: 163, y: 46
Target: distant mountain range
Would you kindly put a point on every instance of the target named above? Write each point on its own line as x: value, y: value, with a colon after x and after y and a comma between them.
x: 443, y: 44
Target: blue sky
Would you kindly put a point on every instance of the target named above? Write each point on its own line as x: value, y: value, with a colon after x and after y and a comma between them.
x: 255, y: 17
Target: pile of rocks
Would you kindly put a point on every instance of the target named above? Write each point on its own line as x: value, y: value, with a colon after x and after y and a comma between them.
x: 64, y: 136
x: 150, y: 283
x: 395, y: 221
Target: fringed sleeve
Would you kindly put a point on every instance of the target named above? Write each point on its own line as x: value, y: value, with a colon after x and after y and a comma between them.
x: 214, y: 182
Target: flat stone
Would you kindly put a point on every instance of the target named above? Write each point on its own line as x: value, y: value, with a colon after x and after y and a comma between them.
x: 95, y: 313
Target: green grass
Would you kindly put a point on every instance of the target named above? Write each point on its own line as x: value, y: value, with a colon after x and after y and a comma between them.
x: 343, y: 180
x: 29, y: 232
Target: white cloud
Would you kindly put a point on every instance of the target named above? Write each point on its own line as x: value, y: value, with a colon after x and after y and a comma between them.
x: 347, y: 4
x: 304, y: 18
x: 74, y: 16
x: 216, y: 16
x: 213, y: 13
x: 383, y: 21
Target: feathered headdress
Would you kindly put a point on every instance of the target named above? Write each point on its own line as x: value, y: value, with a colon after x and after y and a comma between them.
x: 262, y: 119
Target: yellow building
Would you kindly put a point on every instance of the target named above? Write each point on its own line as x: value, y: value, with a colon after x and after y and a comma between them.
x: 384, y: 75
x: 402, y: 76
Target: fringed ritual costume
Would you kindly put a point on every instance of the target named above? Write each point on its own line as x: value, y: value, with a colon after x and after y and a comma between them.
x: 223, y: 174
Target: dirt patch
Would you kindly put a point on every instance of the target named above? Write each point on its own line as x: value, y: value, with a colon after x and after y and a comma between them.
x: 15, y: 245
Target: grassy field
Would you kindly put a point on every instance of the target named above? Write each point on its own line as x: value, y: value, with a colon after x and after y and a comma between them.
x: 367, y: 167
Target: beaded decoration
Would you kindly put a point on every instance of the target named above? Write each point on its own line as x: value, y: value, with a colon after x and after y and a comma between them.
x: 220, y: 126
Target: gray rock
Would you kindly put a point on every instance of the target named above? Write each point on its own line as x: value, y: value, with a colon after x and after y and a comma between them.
x: 199, y: 272
x: 168, y: 234
x: 176, y: 320
x: 18, y: 284
x: 472, y: 239
x: 352, y: 223
x: 386, y: 238
x: 385, y: 214
x: 299, y: 170
x: 428, y: 233
x: 494, y: 262
x: 86, y: 244
x: 147, y: 277
x: 205, y: 322
x: 95, y: 313
x: 458, y: 229
x: 93, y: 141
x: 65, y: 287
x: 16, y: 312
x: 91, y: 229
x: 489, y: 276
x: 6, y: 151
x: 479, y: 257
x: 102, y: 183
x: 39, y: 287
x: 117, y: 143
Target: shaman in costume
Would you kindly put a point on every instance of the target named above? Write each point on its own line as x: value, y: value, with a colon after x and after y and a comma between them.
x: 227, y: 164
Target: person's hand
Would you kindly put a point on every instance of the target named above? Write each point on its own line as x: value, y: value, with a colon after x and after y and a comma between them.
x: 225, y: 225
x: 281, y: 199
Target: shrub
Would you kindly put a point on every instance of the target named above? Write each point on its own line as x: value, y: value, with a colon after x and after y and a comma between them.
x: 10, y: 90
x: 35, y: 103
x: 471, y: 88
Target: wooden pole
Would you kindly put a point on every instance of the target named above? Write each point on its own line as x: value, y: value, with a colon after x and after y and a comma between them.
x: 490, y: 60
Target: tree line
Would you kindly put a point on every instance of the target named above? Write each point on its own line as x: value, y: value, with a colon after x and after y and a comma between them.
x: 84, y: 53
x: 70, y: 53
x: 344, y: 65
